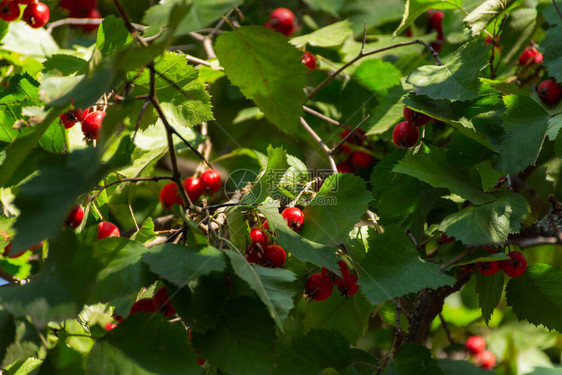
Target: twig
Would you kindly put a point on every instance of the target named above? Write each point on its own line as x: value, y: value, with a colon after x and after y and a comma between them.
x: 84, y: 21
x: 557, y: 9
x: 335, y: 148
x: 364, y: 54
x: 8, y: 277
x: 321, y: 143
x: 137, y: 179
x: 141, y: 114
x: 446, y: 328
x: 321, y: 116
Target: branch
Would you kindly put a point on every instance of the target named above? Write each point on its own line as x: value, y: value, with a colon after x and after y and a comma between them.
x: 84, y: 21
x: 321, y: 116
x: 137, y: 179
x: 335, y: 148
x: 364, y: 54
x: 557, y: 9
x: 321, y: 143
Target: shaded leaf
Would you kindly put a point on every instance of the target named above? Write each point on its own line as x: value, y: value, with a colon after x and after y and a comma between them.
x: 485, y: 13
x: 112, y: 35
x: 489, y: 289
x: 413, y: 359
x: 415, y: 8
x: 328, y: 36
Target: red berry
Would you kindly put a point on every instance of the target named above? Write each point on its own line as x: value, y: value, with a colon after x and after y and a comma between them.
x: 75, y: 217
x: 549, y: 91
x: 9, y: 10
x: 485, y: 359
x: 516, y: 266
x: 282, y: 20
x: 92, y: 124
x: 36, y: 15
x: 163, y: 303
x: 259, y: 236
x: 345, y: 167
x: 193, y: 188
x: 408, y: 33
x: 275, y: 255
x: 318, y: 287
x: 110, y: 326
x: 418, y: 119
x: 117, y: 318
x: 294, y: 218
x: 488, y: 268
x: 530, y: 56
x: 347, y: 284
x: 436, y: 21
x: 309, y: 60
x: 143, y: 305
x: 169, y: 195
x: 107, y: 229
x: 70, y: 118
x: 25, y: 1
x: 362, y: 159
x: 211, y: 180
x: 475, y: 344
x: 86, y: 13
x: 253, y: 257
x: 405, y: 134
x: 446, y: 239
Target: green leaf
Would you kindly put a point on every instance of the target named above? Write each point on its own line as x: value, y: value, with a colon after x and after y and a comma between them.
x: 489, y: 289
x: 145, y: 233
x: 8, y: 329
x: 144, y: 344
x: 415, y: 8
x: 551, y: 47
x: 388, y: 111
x: 311, y: 354
x: 457, y: 79
x: 452, y: 367
x: 267, y: 70
x: 300, y: 247
x: 36, y: 43
x: 488, y: 223
x: 517, y: 33
x: 433, y: 168
x: 328, y: 36
x: 22, y: 89
x: 485, y: 13
x: 338, y: 206
x: 525, y: 123
x: 181, y: 264
x: 268, y: 181
x: 243, y: 341
x: 413, y: 359
x: 238, y: 227
x: 536, y: 296
x: 393, y: 268
x: 272, y: 285
x: 112, y: 35
x: 369, y: 74
x: 360, y: 12
x: 66, y: 64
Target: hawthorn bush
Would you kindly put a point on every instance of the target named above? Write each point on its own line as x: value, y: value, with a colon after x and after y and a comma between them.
x: 281, y: 187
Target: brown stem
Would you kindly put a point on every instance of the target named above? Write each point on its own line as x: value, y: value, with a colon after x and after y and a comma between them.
x: 557, y: 9
x: 321, y: 143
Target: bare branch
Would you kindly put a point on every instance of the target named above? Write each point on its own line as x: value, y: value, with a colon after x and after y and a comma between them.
x: 335, y: 148
x: 321, y: 143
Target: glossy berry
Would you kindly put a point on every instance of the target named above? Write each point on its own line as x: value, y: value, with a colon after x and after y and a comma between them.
x: 405, y: 134
x: 193, y: 188
x: 74, y: 217
x: 309, y: 60
x: 318, y: 287
x: 416, y: 118
x: 475, y: 344
x: 211, y: 180
x: 145, y: 305
x: 36, y: 15
x: 549, y: 91
x: 110, y: 326
x: 107, y: 229
x: 293, y: 217
x: 169, y: 195
x: 515, y: 266
x: 275, y: 256
x: 488, y: 268
x: 282, y: 20
x: 92, y: 123
x: 259, y: 236
x: 26, y: 1
x: 436, y: 22
x: 9, y: 10
x: 347, y: 284
x: 163, y: 303
x: 530, y: 56
x: 485, y: 359
x: 70, y: 118
x: 361, y: 159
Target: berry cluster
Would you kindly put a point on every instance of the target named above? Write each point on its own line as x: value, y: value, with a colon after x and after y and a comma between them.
x: 82, y: 9
x: 283, y: 21
x: 208, y: 183
x: 476, y: 345
x: 355, y: 151
x: 513, y: 267
x: 36, y: 14
x: 160, y: 302
x: 406, y: 133
x: 320, y: 285
x: 530, y: 56
x: 91, y: 121
x: 548, y: 90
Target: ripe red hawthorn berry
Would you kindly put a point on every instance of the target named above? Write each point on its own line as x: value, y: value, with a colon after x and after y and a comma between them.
x: 25, y: 1
x: 145, y: 305
x: 163, y: 303
x: 275, y: 256
x: 74, y: 217
x: 107, y: 229
x: 515, y: 266
x: 36, y: 15
x: 259, y: 236
x: 436, y: 21
x: 69, y: 119
x: 488, y: 268
x: 405, y: 134
x: 293, y: 217
x: 282, y: 20
x: 530, y: 56
x: 361, y: 159
x: 92, y: 124
x: 318, y: 287
x: 9, y: 10
x: 345, y: 167
x: 549, y: 91
x: 485, y: 359
x: 446, y: 239
x: 169, y: 195
x: 416, y: 118
x: 193, y: 187
x: 211, y: 180
x: 475, y: 344
x: 110, y: 326
x: 309, y: 60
